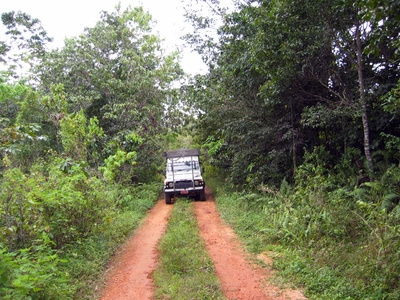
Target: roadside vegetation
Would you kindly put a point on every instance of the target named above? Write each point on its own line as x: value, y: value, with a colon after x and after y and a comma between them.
x: 298, y: 119
x: 61, y: 228
x: 185, y: 270
x: 333, y: 243
x: 87, y: 261
x: 80, y: 149
x: 299, y: 114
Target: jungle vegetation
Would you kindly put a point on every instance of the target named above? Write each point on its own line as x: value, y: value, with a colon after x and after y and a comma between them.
x: 297, y: 118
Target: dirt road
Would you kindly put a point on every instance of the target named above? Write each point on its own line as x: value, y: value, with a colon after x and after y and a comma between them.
x: 130, y: 273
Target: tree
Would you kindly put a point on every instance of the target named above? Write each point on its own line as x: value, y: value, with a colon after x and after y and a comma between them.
x: 117, y: 72
x: 25, y: 43
x: 288, y: 76
x: 17, y: 137
x: 363, y: 46
x: 252, y: 99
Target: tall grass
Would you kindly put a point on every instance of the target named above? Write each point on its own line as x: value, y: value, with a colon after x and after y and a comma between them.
x: 185, y: 271
x: 336, y: 243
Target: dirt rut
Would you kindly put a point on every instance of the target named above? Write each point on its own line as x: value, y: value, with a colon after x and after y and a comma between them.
x: 130, y: 273
x: 240, y: 276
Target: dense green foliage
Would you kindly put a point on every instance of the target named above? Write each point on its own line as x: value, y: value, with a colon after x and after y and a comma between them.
x: 60, y: 228
x: 299, y: 112
x: 80, y: 144
x: 333, y: 243
x: 287, y: 76
x: 185, y: 271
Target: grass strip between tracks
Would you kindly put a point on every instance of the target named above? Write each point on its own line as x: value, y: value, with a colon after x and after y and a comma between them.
x: 185, y: 270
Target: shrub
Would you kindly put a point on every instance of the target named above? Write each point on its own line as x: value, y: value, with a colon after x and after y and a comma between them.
x: 32, y: 273
x: 59, y: 210
x: 339, y: 241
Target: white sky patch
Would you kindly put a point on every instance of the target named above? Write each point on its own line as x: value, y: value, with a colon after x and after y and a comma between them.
x: 65, y: 19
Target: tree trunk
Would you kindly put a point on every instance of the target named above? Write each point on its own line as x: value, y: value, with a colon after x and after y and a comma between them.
x: 364, y: 114
x: 293, y: 140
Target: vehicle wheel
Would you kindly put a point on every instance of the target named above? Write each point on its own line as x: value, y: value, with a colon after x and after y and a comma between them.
x: 168, y: 199
x: 202, y: 195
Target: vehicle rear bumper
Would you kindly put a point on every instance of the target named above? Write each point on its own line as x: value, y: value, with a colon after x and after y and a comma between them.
x: 185, y: 192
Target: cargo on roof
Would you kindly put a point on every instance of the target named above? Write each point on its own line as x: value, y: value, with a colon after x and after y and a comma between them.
x: 182, y: 152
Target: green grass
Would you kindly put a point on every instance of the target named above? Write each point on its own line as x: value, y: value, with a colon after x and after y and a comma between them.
x: 185, y: 270
x: 321, y: 248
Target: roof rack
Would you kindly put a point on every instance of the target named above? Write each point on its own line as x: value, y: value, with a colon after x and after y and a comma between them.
x: 181, y: 152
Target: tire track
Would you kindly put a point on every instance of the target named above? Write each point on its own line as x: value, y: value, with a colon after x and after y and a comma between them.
x: 240, y: 278
x: 130, y: 273
x: 129, y: 276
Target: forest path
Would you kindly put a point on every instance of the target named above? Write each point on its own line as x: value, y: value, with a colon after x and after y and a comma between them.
x: 130, y: 272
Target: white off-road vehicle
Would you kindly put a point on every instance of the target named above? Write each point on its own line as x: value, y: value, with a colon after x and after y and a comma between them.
x: 183, y: 175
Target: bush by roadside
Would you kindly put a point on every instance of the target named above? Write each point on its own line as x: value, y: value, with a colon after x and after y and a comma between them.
x: 336, y: 243
x: 59, y: 226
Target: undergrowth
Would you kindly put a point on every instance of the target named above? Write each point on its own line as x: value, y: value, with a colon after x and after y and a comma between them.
x: 185, y: 271
x: 59, y: 226
x: 334, y: 242
x: 87, y: 261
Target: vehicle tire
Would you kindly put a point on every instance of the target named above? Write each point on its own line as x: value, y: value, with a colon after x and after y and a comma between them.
x: 168, y: 198
x: 202, y: 196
